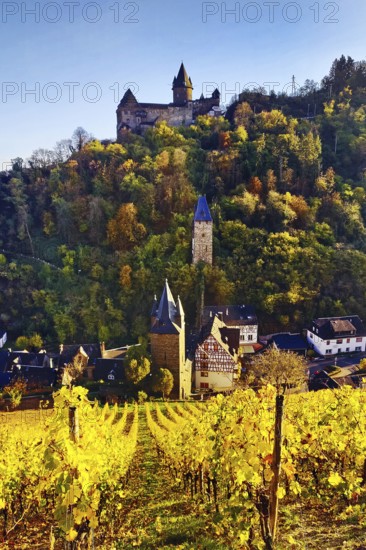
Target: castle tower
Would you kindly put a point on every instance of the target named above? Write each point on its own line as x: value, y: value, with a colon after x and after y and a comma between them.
x: 182, y: 87
x: 167, y: 338
x: 202, y: 233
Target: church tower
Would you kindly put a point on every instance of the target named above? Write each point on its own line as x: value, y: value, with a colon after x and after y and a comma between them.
x: 202, y: 233
x: 182, y: 87
x: 167, y: 338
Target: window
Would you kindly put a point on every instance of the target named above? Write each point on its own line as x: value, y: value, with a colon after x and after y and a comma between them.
x: 339, y: 341
x: 328, y: 351
x: 204, y: 373
x: 216, y: 347
x: 250, y: 337
x: 348, y: 340
x: 311, y: 336
x: 358, y: 348
x: 204, y: 385
x: 328, y: 342
x: 359, y: 340
x: 347, y: 349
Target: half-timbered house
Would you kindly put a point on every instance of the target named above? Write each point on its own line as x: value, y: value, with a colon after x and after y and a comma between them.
x: 216, y: 358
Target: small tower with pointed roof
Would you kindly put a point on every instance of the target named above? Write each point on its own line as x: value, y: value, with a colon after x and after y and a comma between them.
x: 167, y: 338
x: 182, y: 87
x: 202, y: 233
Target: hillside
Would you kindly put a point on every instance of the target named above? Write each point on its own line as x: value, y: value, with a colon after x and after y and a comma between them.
x: 287, y: 193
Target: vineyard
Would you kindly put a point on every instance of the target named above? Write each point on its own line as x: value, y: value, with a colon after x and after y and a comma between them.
x: 185, y: 475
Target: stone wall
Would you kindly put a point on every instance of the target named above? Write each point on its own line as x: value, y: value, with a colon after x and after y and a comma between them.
x: 168, y: 352
x: 202, y: 242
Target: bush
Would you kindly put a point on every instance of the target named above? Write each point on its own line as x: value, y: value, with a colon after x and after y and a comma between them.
x: 15, y: 391
x: 141, y: 397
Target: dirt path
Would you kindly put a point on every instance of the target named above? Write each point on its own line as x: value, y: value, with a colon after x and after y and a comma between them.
x: 157, y: 514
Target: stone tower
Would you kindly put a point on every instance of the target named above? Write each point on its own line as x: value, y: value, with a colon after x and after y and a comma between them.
x: 182, y: 87
x: 202, y: 233
x: 167, y: 338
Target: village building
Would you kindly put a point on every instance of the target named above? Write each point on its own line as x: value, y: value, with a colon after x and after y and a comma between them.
x: 202, y: 233
x: 241, y: 317
x: 216, y: 357
x: 167, y: 340
x: 287, y: 341
x: 333, y: 335
x: 136, y: 116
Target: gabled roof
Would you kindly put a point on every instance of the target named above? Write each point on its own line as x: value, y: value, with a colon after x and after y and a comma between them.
x: 24, y: 358
x: 202, y: 211
x: 182, y: 80
x: 68, y: 352
x: 240, y: 315
x: 227, y: 338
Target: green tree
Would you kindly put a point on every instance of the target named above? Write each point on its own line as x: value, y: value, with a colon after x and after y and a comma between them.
x: 137, y: 365
x: 163, y: 382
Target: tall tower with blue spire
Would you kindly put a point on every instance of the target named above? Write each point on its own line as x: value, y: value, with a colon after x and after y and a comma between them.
x: 167, y: 338
x: 202, y: 233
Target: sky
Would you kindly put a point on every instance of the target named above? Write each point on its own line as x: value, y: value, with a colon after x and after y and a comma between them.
x: 67, y: 64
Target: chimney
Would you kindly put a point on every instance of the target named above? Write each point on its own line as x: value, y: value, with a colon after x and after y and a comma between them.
x: 102, y: 348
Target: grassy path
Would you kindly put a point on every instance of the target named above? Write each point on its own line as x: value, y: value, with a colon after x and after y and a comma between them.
x: 156, y: 512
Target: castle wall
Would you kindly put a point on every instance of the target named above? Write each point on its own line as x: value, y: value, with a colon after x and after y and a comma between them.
x: 202, y: 242
x: 134, y: 117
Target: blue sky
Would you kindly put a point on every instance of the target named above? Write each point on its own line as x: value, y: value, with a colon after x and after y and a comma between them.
x: 79, y: 56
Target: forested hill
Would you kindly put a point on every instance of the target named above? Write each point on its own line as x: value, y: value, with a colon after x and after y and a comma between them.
x: 287, y: 195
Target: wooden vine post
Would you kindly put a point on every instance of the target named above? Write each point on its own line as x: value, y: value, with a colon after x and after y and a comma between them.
x: 74, y: 429
x: 276, y: 466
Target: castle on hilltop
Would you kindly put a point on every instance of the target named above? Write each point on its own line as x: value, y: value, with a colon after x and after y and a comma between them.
x: 135, y: 116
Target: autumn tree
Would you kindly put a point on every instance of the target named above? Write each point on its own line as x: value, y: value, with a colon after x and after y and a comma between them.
x: 124, y: 231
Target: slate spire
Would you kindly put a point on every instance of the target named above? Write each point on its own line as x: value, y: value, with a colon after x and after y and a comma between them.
x: 202, y: 212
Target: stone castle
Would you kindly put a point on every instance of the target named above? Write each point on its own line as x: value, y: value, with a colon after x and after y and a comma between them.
x: 135, y: 116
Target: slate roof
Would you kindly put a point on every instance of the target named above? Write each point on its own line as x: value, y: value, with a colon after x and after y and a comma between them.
x: 24, y: 358
x: 334, y: 327
x: 166, y: 314
x: 182, y: 80
x: 128, y: 98
x: 4, y: 358
x: 227, y: 338
x: 202, y: 211
x: 68, y: 352
x: 239, y: 315
x: 289, y: 342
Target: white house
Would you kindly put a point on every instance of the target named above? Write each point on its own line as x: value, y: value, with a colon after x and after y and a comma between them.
x: 333, y: 335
